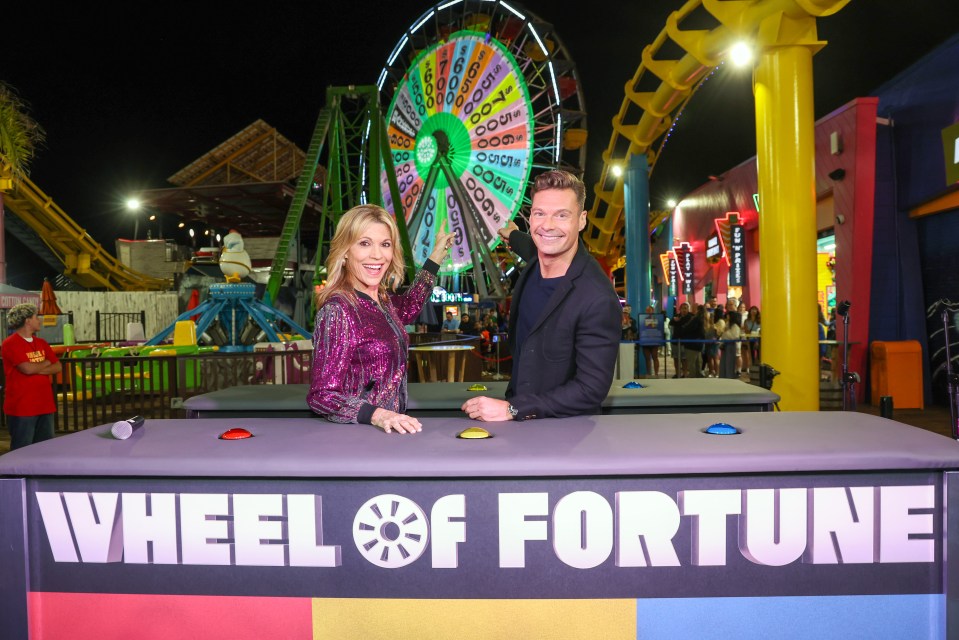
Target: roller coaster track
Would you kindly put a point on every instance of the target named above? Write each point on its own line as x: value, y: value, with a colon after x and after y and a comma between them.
x: 85, y: 261
x: 662, y: 87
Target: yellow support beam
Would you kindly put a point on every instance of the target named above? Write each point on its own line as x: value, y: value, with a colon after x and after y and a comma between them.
x: 785, y: 159
x: 678, y: 81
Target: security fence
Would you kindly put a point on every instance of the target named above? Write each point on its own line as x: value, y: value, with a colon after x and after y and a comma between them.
x: 92, y: 391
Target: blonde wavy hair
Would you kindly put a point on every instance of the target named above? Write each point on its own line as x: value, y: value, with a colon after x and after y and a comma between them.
x: 349, y: 229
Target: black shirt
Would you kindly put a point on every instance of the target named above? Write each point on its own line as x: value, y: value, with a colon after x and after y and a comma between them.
x: 536, y: 294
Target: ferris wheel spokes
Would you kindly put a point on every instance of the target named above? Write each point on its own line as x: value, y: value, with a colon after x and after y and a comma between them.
x: 494, y: 82
x: 484, y: 267
x: 418, y: 231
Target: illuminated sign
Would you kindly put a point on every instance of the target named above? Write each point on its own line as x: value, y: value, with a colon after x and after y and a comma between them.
x: 737, y: 255
x: 664, y: 261
x: 450, y: 297
x: 733, y: 237
x: 688, y: 272
x: 950, y: 148
x: 684, y: 256
x: 713, y: 249
x: 673, y: 274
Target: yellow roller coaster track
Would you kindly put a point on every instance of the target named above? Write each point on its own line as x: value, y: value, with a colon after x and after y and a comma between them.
x: 678, y: 80
x: 85, y: 261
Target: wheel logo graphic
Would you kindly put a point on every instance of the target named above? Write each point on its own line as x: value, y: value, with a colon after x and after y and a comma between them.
x: 390, y: 531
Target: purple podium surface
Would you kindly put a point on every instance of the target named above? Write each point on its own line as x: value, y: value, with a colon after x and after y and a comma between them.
x: 643, y: 525
x: 642, y: 445
x: 432, y: 399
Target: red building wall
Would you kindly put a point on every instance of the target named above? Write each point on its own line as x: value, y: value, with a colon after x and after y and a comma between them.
x: 853, y: 194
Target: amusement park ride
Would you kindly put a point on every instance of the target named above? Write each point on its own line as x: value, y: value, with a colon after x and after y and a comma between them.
x: 482, y: 96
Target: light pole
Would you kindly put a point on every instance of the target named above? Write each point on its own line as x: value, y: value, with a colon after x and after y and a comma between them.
x: 133, y: 205
x: 156, y: 218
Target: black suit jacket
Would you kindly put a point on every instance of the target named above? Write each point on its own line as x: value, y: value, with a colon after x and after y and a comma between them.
x: 566, y: 364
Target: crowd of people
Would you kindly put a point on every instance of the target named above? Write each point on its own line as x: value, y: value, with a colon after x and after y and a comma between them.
x: 564, y: 327
x: 703, y: 340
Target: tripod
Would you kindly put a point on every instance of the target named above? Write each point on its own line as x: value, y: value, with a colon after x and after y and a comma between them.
x: 849, y: 378
x: 952, y: 380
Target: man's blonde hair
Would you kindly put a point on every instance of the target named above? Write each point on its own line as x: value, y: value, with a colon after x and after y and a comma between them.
x: 18, y: 315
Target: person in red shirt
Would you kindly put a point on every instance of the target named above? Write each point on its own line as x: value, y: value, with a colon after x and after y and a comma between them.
x: 28, y: 363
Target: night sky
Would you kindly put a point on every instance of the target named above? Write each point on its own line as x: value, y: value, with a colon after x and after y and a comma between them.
x: 128, y: 99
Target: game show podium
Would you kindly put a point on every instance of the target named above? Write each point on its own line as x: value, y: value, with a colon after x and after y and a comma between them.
x: 692, y: 395
x: 811, y: 525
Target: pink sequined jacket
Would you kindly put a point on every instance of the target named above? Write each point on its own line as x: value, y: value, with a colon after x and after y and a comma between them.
x: 360, y: 350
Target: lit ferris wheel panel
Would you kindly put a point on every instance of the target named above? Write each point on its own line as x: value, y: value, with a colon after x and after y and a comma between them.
x: 461, y: 134
x: 482, y: 96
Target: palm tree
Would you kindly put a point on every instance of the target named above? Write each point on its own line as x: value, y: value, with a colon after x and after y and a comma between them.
x: 20, y: 136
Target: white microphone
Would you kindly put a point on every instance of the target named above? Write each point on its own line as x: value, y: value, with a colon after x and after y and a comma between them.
x: 124, y: 428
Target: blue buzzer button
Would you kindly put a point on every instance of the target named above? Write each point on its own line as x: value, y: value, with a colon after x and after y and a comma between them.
x: 633, y: 385
x: 722, y: 429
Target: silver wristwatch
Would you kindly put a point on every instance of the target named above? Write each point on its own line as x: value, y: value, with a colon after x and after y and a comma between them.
x: 512, y: 410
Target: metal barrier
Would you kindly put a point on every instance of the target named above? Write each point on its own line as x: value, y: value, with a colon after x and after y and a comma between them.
x: 97, y: 390
x: 112, y: 326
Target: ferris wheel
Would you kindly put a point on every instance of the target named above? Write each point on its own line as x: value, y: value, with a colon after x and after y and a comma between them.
x: 483, y: 96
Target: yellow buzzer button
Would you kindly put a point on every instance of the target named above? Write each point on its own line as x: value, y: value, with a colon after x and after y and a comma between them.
x: 477, y: 387
x: 473, y: 433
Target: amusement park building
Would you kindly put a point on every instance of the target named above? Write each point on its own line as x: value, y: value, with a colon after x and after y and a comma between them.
x: 887, y: 215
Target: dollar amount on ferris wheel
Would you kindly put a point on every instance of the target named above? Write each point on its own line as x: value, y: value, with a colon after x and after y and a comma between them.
x: 466, y: 101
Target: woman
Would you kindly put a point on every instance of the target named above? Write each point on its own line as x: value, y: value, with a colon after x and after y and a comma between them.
x: 695, y: 332
x: 751, y: 326
x: 629, y: 331
x: 711, y: 348
x: 360, y: 345
x: 823, y: 328
x: 715, y: 332
x: 651, y: 352
x: 731, y: 362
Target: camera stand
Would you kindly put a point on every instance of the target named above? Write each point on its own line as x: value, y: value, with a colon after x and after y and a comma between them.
x: 952, y: 381
x: 849, y: 378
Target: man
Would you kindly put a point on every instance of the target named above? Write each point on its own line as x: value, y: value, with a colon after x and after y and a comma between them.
x: 564, y: 322
x: 731, y: 305
x: 467, y: 326
x: 451, y: 324
x: 694, y: 330
x: 28, y: 363
x: 630, y: 331
x: 678, y: 328
x: 712, y: 303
